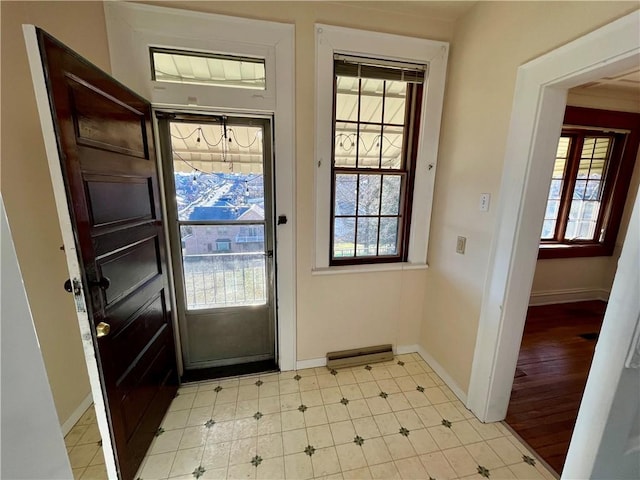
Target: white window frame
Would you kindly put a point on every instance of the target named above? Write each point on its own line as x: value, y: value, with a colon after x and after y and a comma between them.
x: 433, y: 54
x: 133, y: 28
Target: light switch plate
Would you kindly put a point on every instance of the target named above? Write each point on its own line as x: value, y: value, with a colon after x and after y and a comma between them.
x: 485, y: 199
x: 461, y: 245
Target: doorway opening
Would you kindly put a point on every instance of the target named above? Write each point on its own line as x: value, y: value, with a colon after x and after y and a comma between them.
x: 539, y: 102
x: 219, y: 179
x: 594, y: 183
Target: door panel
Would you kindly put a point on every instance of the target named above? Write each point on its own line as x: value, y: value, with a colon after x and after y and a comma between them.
x: 233, y: 336
x: 117, y: 199
x: 105, y: 142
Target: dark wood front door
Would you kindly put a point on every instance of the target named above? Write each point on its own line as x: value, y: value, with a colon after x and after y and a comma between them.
x: 105, y: 142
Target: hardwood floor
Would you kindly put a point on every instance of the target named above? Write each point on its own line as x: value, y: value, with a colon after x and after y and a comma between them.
x: 551, y: 375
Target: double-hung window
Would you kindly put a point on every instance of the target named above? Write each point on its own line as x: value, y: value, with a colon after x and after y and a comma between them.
x: 376, y: 112
x: 589, y: 185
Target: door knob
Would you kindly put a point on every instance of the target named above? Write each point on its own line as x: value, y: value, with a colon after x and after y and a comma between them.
x: 72, y: 286
x: 102, y: 329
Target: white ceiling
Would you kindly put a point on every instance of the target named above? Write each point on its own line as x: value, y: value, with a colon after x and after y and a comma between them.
x: 627, y: 82
x: 449, y: 11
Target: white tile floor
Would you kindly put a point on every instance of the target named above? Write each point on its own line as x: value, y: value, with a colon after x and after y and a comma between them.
x: 84, y: 448
x: 384, y: 421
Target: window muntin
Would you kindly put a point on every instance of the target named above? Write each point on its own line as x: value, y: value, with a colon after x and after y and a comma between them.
x: 176, y: 66
x: 376, y: 107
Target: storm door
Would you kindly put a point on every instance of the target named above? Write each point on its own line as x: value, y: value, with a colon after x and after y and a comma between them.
x: 218, y: 179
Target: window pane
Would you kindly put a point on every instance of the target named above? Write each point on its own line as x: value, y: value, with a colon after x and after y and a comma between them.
x: 371, y: 94
x: 367, y: 237
x: 570, y: 232
x: 345, y: 145
x: 563, y: 148
x: 583, y: 216
x: 593, y: 157
x: 550, y: 218
x: 593, y: 190
x: 548, y: 229
x: 390, y: 195
x: 213, y: 182
x: 369, y: 195
x: 203, y: 69
x: 344, y: 233
x: 223, y: 265
x: 392, y: 139
x: 395, y: 101
x: 347, y: 98
x: 556, y: 189
x: 579, y: 189
x: 388, y: 236
x: 369, y: 146
x: 552, y: 209
x: 345, y: 194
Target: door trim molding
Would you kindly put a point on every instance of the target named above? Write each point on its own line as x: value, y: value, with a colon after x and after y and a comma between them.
x: 132, y: 28
x: 66, y: 229
x: 536, y: 120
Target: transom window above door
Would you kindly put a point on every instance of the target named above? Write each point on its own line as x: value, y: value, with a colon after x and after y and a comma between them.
x: 178, y: 66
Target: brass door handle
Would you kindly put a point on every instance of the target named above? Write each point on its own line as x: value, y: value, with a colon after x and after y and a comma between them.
x: 102, y: 329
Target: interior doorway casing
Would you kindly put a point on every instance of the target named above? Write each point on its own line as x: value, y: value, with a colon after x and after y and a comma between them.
x: 536, y: 122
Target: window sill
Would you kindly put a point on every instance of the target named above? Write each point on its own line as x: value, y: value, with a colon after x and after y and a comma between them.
x: 563, y: 250
x: 380, y: 267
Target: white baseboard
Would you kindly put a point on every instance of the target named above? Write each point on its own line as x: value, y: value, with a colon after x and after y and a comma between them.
x: 76, y: 414
x: 402, y: 349
x: 311, y: 363
x: 568, y: 295
x: 442, y: 373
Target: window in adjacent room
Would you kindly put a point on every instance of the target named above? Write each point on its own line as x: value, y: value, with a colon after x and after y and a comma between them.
x: 589, y: 184
x: 376, y: 114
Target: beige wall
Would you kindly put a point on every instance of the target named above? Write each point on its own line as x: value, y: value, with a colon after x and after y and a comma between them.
x: 591, y: 273
x: 26, y: 187
x: 489, y: 44
x: 339, y: 311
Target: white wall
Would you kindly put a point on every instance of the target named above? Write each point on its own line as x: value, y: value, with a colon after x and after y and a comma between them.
x: 571, y: 279
x: 32, y: 443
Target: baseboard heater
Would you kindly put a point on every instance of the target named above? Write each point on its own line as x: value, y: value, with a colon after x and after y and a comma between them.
x: 359, y: 356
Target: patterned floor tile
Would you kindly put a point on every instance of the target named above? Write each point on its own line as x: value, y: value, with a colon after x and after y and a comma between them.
x: 395, y: 419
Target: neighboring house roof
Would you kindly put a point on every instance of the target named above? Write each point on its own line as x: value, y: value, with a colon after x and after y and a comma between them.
x: 217, y: 212
x: 255, y: 212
